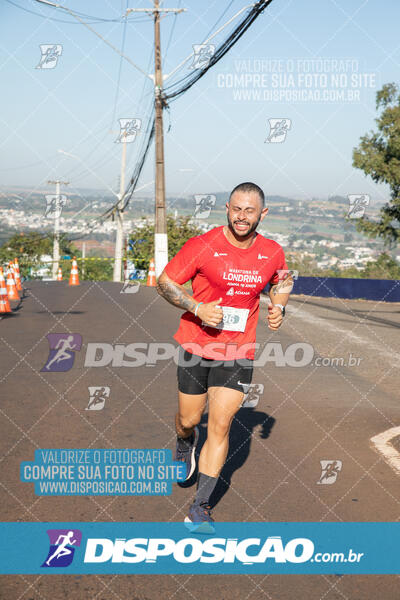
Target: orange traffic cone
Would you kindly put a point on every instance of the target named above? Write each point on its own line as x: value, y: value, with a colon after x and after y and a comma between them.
x: 59, y: 274
x: 4, y: 303
x: 151, y: 277
x: 17, y: 275
x: 11, y: 287
x: 74, y: 277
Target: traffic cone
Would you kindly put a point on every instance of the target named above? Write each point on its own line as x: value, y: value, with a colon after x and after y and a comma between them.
x: 4, y: 303
x: 11, y: 287
x: 17, y: 275
x: 151, y: 277
x: 59, y: 274
x: 74, y: 277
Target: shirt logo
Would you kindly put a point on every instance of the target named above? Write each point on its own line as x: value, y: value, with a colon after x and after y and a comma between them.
x: 230, y: 292
x: 260, y: 256
x: 220, y: 254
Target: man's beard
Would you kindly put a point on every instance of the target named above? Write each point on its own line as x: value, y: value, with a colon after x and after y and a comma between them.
x: 251, y: 229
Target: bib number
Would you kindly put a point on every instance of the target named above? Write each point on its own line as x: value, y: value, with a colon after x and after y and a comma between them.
x: 233, y: 319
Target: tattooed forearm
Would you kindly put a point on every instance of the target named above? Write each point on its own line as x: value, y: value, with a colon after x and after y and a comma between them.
x: 175, y: 294
x: 284, y: 286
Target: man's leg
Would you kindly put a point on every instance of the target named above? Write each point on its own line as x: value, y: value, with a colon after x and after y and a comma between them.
x: 191, y: 407
x: 223, y: 404
x: 192, y: 386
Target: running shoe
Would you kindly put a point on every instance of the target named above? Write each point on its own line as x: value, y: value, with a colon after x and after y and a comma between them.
x: 185, y: 452
x: 199, y: 519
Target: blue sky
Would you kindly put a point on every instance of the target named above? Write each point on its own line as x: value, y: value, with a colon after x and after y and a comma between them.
x: 216, y: 138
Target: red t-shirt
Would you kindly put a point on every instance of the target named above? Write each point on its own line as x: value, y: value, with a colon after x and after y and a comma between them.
x: 237, y: 275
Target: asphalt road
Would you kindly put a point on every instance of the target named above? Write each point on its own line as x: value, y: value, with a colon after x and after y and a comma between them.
x: 327, y: 409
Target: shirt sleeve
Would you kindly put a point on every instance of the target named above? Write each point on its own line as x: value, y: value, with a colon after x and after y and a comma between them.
x: 184, y: 265
x: 281, y: 270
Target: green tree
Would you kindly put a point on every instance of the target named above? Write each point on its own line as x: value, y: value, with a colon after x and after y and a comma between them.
x: 29, y: 247
x: 378, y: 155
x: 305, y: 265
x: 95, y: 270
x: 142, y: 240
x: 382, y: 268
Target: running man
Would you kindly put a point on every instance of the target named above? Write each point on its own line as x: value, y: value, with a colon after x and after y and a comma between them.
x: 62, y: 549
x: 229, y: 266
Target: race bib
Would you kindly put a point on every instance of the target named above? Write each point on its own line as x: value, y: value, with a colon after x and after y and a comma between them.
x: 234, y: 319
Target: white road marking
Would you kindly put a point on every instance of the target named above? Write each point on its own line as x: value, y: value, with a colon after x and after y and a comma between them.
x: 382, y: 444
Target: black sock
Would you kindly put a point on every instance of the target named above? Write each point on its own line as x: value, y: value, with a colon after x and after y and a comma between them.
x: 205, y: 487
x: 184, y: 443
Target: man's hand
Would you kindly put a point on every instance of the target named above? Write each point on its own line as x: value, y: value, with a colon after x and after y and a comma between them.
x: 211, y: 313
x: 274, y: 317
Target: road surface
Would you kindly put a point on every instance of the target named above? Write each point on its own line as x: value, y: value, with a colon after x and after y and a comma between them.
x: 331, y: 383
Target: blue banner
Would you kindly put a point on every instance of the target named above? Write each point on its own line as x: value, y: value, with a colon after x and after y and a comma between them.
x: 288, y: 548
x: 386, y: 290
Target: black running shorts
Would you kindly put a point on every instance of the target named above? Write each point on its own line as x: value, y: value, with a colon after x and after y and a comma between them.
x: 197, y: 374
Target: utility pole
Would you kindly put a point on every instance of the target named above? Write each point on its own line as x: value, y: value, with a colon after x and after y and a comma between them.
x: 160, y: 218
x: 119, y: 215
x: 83, y: 259
x: 161, y: 239
x: 56, y: 240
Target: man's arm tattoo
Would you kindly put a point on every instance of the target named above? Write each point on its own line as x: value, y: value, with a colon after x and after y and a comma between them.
x: 175, y: 294
x: 284, y: 286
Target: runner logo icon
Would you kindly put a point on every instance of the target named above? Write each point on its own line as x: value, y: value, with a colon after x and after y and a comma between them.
x: 278, y: 129
x: 129, y: 128
x: 252, y: 395
x: 204, y: 204
x: 62, y: 547
x: 202, y: 54
x: 50, y: 54
x: 97, y: 397
x: 330, y: 470
x: 62, y: 351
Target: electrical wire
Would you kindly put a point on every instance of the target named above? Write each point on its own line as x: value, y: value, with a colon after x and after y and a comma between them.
x: 92, y: 19
x: 119, y: 69
x: 213, y: 28
x: 181, y: 86
x: 172, y: 92
x: 136, y: 173
x: 171, y: 33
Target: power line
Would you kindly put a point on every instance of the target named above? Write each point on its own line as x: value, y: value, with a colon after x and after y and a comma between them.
x: 76, y: 16
x: 137, y: 171
x: 171, y: 33
x: 173, y: 91
x: 219, y: 19
x: 183, y: 85
x: 93, y: 20
x: 35, y: 164
x: 119, y: 69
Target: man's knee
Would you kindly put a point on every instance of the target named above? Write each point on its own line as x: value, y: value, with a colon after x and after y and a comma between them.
x: 220, y: 425
x: 189, y: 421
